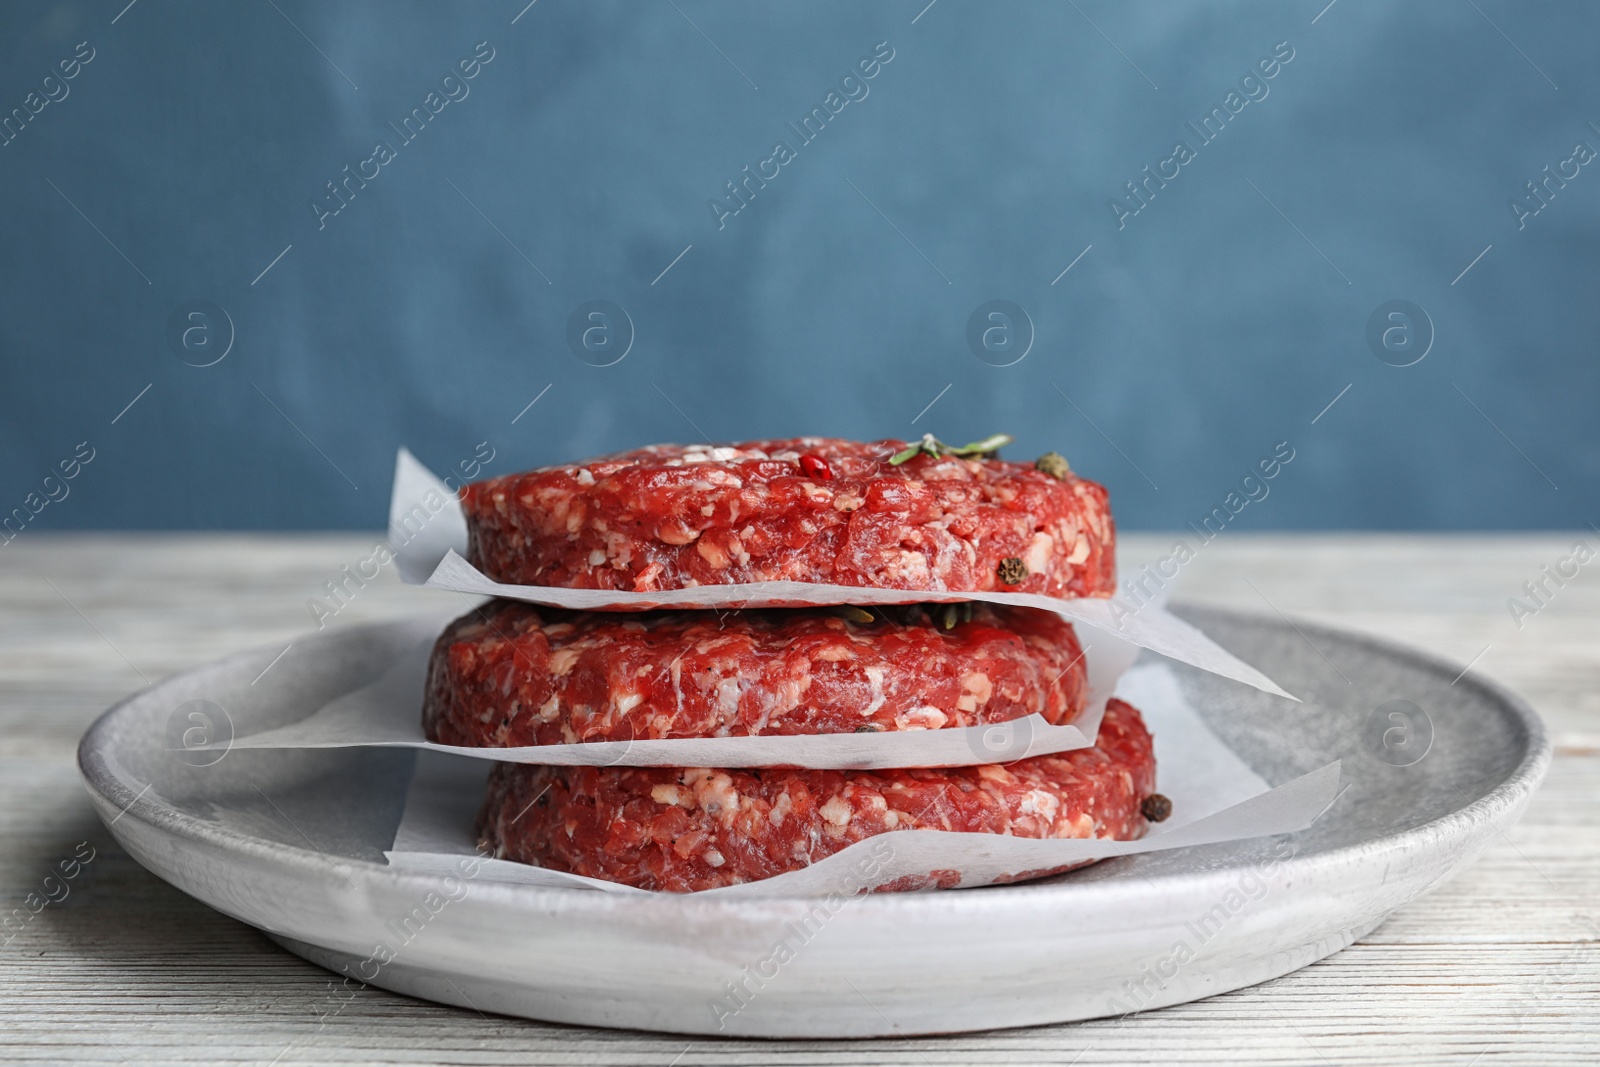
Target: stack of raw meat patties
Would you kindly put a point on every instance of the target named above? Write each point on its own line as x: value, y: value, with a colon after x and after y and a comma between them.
x: 817, y: 510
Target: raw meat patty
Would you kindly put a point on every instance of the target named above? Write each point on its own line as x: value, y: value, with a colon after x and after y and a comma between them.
x: 509, y: 673
x: 809, y: 509
x: 692, y: 829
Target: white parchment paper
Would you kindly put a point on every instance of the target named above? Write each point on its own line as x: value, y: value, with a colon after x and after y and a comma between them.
x: 1215, y: 796
x: 388, y: 714
x: 428, y: 534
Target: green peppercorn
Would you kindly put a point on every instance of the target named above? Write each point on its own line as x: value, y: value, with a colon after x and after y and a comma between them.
x: 1054, y: 464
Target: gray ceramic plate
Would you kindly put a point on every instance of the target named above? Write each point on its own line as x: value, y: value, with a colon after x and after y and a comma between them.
x: 292, y: 842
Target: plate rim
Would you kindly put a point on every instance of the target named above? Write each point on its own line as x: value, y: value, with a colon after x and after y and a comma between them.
x: 1516, y: 788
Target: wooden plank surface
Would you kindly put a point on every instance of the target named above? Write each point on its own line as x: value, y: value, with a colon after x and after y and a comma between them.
x: 1500, y: 966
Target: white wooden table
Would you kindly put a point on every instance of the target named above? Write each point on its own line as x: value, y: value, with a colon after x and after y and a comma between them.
x: 1501, y: 966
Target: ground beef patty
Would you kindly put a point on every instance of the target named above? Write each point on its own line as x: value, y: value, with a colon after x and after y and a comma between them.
x: 810, y: 509
x: 509, y: 674
x: 682, y: 830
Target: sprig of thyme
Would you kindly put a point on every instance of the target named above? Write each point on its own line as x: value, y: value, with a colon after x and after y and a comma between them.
x: 932, y: 446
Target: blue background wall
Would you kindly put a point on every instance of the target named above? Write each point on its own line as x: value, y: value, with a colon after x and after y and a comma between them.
x: 1215, y: 323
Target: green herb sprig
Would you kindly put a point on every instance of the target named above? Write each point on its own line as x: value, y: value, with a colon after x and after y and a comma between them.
x: 932, y: 446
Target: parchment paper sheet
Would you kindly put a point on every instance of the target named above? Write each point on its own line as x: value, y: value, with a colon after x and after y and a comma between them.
x: 1216, y: 797
x: 388, y: 713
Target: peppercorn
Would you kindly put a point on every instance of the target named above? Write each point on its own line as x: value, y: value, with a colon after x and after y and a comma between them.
x: 1156, y: 807
x: 1054, y: 464
x: 815, y: 466
x: 1012, y: 570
